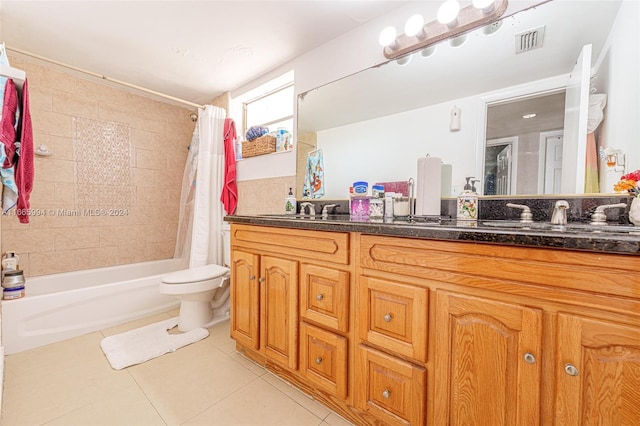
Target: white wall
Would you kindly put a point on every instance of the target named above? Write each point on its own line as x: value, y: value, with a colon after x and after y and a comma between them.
x: 619, y: 78
x: 348, y: 54
x: 352, y: 152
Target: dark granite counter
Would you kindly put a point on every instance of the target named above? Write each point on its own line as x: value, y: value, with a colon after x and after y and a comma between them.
x: 575, y: 236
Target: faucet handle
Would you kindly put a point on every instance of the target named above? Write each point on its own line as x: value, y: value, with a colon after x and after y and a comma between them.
x: 525, y: 216
x: 599, y: 217
x: 325, y: 209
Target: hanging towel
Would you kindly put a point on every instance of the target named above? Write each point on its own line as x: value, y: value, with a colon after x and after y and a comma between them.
x: 10, y: 191
x: 24, y: 166
x: 595, y: 117
x: 229, y: 196
x: 314, y: 175
x: 10, y: 112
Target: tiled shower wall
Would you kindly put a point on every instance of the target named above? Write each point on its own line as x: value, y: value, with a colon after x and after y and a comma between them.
x: 109, y: 194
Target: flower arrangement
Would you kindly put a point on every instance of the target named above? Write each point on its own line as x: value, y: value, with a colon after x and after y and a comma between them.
x: 630, y: 183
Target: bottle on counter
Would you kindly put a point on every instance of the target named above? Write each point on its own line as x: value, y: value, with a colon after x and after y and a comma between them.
x: 467, y: 201
x: 290, y: 203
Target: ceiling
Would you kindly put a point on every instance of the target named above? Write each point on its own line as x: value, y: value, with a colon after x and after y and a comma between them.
x: 193, y: 50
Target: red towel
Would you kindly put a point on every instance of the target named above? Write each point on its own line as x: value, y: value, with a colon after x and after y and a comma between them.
x: 229, y: 196
x: 8, y: 121
x: 24, y: 168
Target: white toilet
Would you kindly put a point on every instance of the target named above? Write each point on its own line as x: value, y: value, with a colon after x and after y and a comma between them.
x: 203, y: 292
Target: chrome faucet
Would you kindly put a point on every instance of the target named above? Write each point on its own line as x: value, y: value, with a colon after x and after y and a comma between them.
x: 303, y: 208
x: 525, y: 216
x: 559, y: 215
x: 326, y: 208
x: 599, y: 217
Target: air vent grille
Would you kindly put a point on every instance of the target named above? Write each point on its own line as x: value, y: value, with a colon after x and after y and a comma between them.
x: 529, y: 40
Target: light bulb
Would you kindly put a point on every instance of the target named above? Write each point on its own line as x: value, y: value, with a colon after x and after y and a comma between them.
x: 404, y: 60
x: 387, y: 37
x: 448, y: 13
x: 458, y: 40
x: 487, y: 6
x: 428, y: 51
x: 414, y: 25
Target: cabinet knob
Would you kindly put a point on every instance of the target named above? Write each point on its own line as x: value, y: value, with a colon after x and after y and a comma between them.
x: 319, y: 297
x: 571, y: 369
x: 252, y: 277
x: 387, y: 318
x: 386, y: 393
x: 261, y: 280
x: 319, y: 360
x: 529, y: 358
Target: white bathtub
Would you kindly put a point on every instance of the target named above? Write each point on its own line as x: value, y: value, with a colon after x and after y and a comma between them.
x: 60, y: 306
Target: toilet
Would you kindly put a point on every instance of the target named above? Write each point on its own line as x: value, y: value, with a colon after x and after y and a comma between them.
x: 203, y: 292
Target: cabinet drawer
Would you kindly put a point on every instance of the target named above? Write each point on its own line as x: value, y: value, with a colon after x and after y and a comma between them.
x: 297, y: 243
x: 324, y: 359
x: 391, y: 389
x: 324, y: 296
x: 395, y: 316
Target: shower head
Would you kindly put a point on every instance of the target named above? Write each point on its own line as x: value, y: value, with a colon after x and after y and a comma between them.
x: 193, y: 116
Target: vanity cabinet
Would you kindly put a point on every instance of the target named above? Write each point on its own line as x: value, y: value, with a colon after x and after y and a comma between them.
x: 515, y: 335
x: 406, y: 331
x: 290, y: 297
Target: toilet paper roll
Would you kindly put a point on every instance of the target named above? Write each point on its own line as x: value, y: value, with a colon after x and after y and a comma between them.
x: 429, y: 186
x: 447, y: 172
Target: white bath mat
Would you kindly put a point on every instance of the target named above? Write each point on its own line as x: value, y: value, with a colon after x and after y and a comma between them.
x: 142, y: 344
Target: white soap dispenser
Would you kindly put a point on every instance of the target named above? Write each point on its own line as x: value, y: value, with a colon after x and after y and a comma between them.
x: 290, y: 203
x: 468, y: 201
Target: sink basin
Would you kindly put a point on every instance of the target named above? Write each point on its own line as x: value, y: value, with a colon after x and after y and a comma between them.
x: 570, y: 227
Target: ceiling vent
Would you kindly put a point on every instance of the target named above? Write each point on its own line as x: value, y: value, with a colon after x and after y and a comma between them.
x: 529, y: 40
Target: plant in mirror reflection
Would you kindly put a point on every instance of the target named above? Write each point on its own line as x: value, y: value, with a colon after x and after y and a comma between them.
x: 629, y: 183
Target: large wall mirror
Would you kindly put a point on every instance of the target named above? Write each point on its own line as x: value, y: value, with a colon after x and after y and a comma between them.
x: 545, y: 63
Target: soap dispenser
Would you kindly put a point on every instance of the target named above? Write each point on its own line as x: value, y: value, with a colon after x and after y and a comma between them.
x: 290, y: 203
x: 468, y: 201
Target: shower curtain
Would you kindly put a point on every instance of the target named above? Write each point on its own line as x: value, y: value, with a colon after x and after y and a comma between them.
x: 199, y: 239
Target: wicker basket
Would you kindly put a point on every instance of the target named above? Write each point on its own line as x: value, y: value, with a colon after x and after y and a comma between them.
x: 263, y: 145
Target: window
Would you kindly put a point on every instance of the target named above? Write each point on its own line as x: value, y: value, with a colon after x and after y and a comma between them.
x: 273, y: 109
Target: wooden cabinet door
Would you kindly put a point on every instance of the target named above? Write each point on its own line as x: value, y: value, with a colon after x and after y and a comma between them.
x: 279, y: 310
x: 597, y: 373
x: 245, y: 299
x: 487, y: 362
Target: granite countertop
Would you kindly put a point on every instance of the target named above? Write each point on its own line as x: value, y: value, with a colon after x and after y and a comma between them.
x: 574, y: 236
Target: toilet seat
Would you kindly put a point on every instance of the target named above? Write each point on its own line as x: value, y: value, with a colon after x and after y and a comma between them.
x: 192, y: 275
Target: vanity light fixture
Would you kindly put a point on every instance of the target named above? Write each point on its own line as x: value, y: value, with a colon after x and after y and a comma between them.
x: 448, y: 13
x: 458, y: 41
x: 404, y: 60
x: 486, y: 6
x: 530, y: 115
x: 428, y: 51
x: 387, y: 38
x: 451, y: 21
x: 414, y: 27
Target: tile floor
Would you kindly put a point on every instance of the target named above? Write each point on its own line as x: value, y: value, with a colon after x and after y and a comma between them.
x: 205, y: 383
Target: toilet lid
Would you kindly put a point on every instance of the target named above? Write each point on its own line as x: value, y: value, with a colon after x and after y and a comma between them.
x: 201, y: 273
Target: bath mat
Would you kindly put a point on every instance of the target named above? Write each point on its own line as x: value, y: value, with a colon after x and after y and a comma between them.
x: 142, y: 344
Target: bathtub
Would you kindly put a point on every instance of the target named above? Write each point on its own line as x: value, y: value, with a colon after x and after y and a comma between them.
x: 60, y: 306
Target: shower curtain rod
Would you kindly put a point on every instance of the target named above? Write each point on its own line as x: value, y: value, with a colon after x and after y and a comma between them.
x: 104, y: 77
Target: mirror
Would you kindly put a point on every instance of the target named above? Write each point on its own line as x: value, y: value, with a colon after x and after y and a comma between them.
x: 375, y: 124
